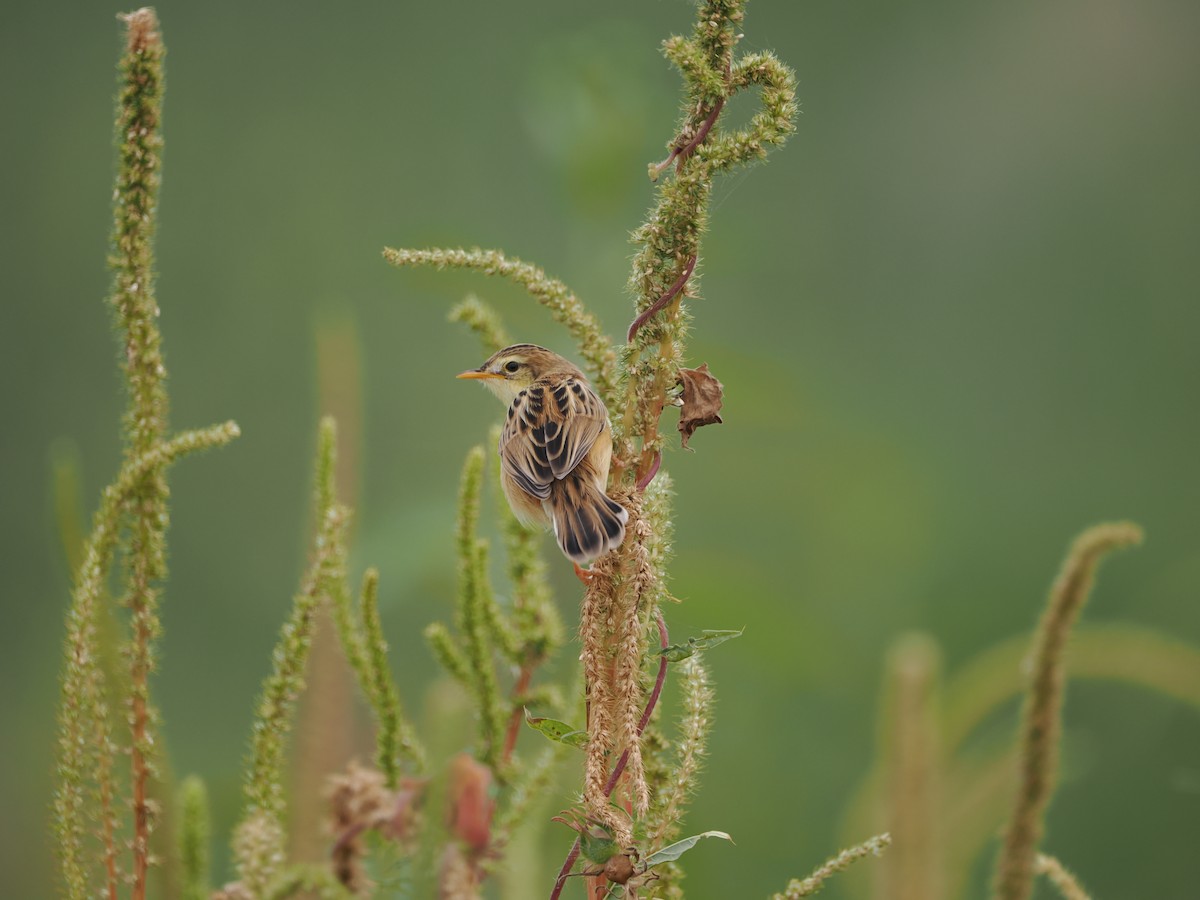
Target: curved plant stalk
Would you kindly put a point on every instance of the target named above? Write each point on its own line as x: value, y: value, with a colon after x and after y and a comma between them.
x: 138, y: 502
x: 806, y: 887
x: 1042, y: 717
x: 84, y: 743
x: 1111, y: 651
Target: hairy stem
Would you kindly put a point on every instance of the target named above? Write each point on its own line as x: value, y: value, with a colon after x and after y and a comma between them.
x: 611, y: 784
x: 140, y: 147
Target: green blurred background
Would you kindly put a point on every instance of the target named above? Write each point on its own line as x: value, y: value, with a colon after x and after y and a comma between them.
x: 956, y: 319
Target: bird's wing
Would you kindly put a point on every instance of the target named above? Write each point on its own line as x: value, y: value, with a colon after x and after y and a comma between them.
x: 551, y: 427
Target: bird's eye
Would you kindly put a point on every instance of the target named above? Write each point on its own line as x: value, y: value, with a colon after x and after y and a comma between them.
x: 511, y: 366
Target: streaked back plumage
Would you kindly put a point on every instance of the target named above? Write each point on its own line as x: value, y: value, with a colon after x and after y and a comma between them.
x: 555, y: 449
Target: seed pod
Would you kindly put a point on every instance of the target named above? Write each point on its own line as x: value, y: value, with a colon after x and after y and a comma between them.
x: 619, y: 869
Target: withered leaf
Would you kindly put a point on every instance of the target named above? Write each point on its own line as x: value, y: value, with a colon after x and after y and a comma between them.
x: 702, y: 395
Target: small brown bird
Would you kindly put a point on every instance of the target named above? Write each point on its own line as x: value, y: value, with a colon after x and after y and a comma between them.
x: 555, y: 449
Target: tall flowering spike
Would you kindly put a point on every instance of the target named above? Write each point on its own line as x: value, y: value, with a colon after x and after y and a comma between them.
x: 85, y: 751
x: 694, y: 725
x: 566, y: 308
x: 474, y: 601
x: 139, y: 143
x: 86, y: 747
x: 260, y: 838
x: 395, y: 735
x: 665, y: 271
x: 135, y: 209
x: 1042, y: 717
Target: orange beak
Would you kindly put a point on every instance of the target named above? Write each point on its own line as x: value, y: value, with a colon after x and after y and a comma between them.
x: 475, y: 373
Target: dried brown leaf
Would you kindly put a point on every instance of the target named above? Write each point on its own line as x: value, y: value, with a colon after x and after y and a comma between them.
x: 702, y: 396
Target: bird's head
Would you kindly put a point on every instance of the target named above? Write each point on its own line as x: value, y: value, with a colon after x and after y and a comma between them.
x: 509, y: 371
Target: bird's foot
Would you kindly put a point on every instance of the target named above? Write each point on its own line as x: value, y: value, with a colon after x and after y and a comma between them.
x: 583, y: 574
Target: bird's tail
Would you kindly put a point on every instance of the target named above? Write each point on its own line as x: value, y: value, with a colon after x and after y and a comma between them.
x: 587, y: 522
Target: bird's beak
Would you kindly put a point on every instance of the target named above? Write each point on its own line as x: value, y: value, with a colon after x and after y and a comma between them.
x: 476, y: 373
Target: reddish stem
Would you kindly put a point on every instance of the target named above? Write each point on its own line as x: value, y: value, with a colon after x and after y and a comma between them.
x: 662, y: 301
x: 650, y: 704
x: 701, y: 134
x: 141, y: 774
x: 658, y: 168
x: 514, y: 720
x: 611, y: 784
x: 565, y: 872
x: 644, y: 481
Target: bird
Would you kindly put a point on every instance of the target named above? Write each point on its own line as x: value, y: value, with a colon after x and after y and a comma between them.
x: 555, y: 449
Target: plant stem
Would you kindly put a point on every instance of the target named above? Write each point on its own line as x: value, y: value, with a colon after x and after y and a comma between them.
x: 140, y: 146
x: 515, y: 717
x: 611, y: 784
x: 662, y: 301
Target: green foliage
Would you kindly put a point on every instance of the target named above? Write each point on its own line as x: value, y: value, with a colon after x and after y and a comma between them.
x: 674, y: 851
x: 708, y: 639
x: 596, y: 845
x: 556, y: 730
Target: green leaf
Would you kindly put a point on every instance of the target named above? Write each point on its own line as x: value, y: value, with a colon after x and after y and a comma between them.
x: 556, y: 730
x: 673, y: 851
x: 709, y: 638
